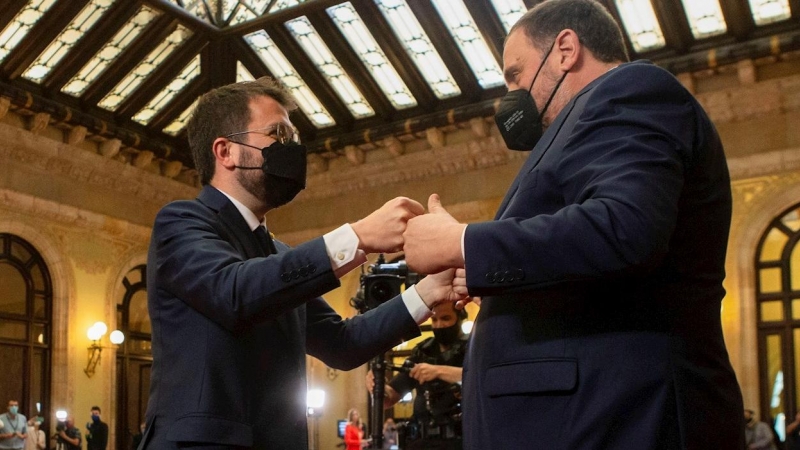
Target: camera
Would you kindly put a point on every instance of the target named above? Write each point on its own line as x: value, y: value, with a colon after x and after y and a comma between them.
x: 383, y: 282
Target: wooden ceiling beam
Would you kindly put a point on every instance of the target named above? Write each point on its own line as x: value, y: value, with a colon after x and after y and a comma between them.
x: 351, y: 64
x: 179, y: 103
x: 91, y: 43
x: 738, y: 17
x: 10, y: 9
x: 42, y: 34
x: 675, y: 25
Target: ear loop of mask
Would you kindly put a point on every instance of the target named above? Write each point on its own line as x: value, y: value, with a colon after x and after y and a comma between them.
x: 552, y: 94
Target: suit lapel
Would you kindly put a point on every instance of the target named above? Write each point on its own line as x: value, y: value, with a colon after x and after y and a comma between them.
x: 246, y: 241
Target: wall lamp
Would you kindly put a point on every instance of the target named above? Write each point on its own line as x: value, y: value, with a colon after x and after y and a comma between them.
x: 95, y: 333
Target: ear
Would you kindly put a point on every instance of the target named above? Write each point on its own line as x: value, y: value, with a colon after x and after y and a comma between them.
x: 569, y: 49
x: 222, y: 153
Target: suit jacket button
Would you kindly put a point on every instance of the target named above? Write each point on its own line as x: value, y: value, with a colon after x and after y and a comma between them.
x: 508, y: 276
x: 295, y: 274
x: 285, y: 277
x: 520, y: 274
x: 498, y: 277
x: 312, y: 268
x: 304, y: 271
x: 490, y: 278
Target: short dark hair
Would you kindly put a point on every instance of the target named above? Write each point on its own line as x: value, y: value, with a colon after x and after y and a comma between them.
x: 96, y: 408
x: 591, y: 21
x: 226, y: 110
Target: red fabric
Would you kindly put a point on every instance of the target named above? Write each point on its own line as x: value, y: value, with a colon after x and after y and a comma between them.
x: 352, y: 437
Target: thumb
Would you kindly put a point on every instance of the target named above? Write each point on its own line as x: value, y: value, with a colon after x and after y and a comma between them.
x: 435, y: 205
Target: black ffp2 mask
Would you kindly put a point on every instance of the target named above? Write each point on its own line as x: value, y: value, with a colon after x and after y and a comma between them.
x: 284, y: 169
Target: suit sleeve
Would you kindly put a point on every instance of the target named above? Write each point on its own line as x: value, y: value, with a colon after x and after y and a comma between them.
x: 348, y: 343
x: 196, y: 264
x: 621, y: 172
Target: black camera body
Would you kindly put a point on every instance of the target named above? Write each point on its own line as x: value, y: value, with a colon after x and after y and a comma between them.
x: 383, y: 282
x: 61, y: 426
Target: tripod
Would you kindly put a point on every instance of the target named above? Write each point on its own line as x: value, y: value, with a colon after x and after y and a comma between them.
x: 378, y: 367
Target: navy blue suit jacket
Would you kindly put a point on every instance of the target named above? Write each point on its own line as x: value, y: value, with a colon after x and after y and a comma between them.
x: 231, y: 328
x: 602, y: 281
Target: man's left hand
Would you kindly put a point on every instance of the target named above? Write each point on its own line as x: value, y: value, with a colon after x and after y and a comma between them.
x: 433, y: 241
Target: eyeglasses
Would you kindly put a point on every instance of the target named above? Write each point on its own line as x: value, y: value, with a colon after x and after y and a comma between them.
x: 279, y: 132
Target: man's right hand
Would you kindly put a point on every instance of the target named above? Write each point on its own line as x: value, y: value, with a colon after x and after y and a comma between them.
x: 382, y: 231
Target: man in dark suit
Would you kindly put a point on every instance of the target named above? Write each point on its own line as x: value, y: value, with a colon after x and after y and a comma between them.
x: 601, y: 274
x: 233, y: 311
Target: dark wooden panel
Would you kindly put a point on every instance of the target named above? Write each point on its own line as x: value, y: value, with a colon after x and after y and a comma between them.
x: 738, y: 17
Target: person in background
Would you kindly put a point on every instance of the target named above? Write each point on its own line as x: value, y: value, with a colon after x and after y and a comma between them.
x: 69, y: 436
x: 137, y: 438
x: 389, y: 434
x: 758, y: 435
x: 14, y: 428
x: 36, y: 439
x: 97, y: 438
x: 353, y: 432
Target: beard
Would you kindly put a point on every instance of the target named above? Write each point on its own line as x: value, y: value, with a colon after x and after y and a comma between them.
x: 273, y: 191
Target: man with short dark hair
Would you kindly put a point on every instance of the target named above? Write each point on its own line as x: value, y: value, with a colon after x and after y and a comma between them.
x: 234, y: 311
x: 97, y: 438
x: 13, y: 428
x: 601, y: 275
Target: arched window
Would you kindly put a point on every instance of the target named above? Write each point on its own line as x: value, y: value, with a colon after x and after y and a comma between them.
x: 778, y: 315
x: 134, y: 357
x: 26, y: 297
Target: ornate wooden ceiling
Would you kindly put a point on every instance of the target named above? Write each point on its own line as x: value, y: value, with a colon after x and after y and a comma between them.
x: 132, y: 69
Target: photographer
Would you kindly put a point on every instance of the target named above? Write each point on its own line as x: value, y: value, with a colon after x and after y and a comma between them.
x: 67, y: 436
x: 436, y: 376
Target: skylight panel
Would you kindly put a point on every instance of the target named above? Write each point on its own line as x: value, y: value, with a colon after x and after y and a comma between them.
x: 242, y: 74
x: 180, y: 123
x: 768, y: 11
x: 705, y: 17
x: 21, y: 24
x: 281, y: 68
x: 329, y: 67
x: 470, y: 42
x: 189, y: 73
x: 129, y: 84
x: 509, y: 11
x: 419, y: 47
x: 98, y: 64
x: 364, y: 44
x: 66, y: 40
x: 641, y: 24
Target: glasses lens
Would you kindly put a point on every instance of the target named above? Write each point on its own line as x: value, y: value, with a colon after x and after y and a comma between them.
x: 285, y: 134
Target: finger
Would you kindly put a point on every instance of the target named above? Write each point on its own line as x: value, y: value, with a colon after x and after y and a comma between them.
x: 435, y: 205
x: 415, y: 207
x: 461, y: 273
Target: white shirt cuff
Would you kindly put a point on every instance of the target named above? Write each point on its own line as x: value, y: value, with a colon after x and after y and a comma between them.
x: 342, y: 247
x: 416, y: 307
x: 463, y: 254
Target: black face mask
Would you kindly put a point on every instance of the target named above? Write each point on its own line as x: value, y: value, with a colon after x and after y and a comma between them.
x: 518, y: 118
x: 447, y: 335
x: 284, y: 170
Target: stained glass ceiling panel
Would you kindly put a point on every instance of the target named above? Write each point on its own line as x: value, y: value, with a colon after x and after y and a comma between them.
x: 66, y: 40
x: 22, y: 23
x: 223, y: 13
x: 470, y: 41
x: 639, y: 21
x: 242, y: 74
x: 282, y: 69
x: 180, y: 123
x: 129, y: 84
x: 419, y: 47
x: 100, y: 62
x: 768, y: 11
x: 705, y: 17
x: 509, y: 11
x: 371, y: 55
x: 174, y: 88
x: 314, y: 46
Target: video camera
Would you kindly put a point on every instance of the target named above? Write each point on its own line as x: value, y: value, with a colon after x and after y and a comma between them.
x: 382, y: 282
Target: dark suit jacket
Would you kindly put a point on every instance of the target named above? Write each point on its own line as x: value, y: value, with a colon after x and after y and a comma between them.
x: 602, y: 281
x: 231, y: 329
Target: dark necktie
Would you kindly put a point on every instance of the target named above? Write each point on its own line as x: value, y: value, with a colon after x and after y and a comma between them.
x: 264, y: 240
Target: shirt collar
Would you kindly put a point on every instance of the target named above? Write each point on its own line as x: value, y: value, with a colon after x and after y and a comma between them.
x: 249, y: 216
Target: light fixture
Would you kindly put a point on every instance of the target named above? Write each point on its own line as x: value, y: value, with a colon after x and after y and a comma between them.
x: 466, y: 326
x: 95, y: 333
x: 315, y: 400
